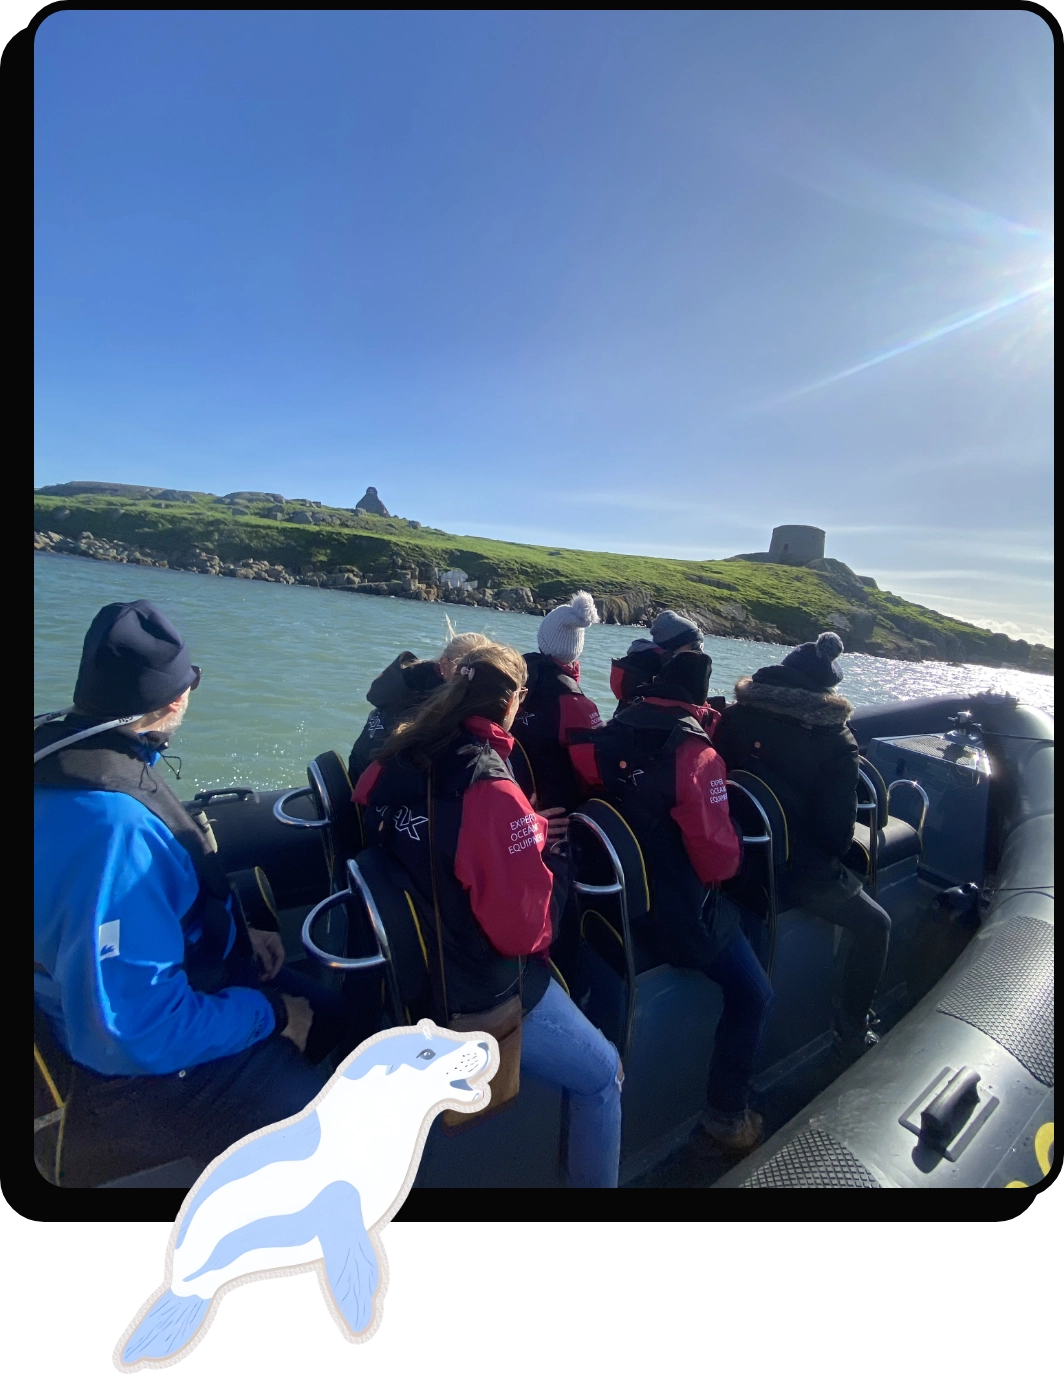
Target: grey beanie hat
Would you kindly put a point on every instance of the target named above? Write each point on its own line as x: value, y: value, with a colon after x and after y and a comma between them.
x: 672, y: 631
x: 561, y: 633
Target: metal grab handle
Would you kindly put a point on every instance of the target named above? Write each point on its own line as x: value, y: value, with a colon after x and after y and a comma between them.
x: 239, y: 792
x: 279, y: 813
x: 925, y: 800
x: 765, y: 839
x: 873, y: 830
x: 333, y: 960
x: 619, y: 889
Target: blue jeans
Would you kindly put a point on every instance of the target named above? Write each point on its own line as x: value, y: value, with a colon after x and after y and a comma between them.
x: 561, y: 1046
x: 747, y: 1000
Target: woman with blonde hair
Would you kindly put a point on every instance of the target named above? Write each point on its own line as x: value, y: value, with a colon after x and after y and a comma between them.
x: 442, y: 801
x: 404, y: 685
x: 457, y: 646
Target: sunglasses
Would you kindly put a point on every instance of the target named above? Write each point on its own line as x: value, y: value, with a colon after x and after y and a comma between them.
x: 197, y: 679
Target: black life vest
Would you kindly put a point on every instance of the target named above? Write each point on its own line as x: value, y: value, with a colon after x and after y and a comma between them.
x: 635, y: 754
x: 478, y: 976
x: 537, y: 731
x: 114, y: 762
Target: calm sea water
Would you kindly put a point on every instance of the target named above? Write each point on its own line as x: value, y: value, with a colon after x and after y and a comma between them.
x: 285, y: 669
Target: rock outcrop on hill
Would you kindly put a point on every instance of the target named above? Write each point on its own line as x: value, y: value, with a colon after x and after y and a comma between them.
x: 371, y: 503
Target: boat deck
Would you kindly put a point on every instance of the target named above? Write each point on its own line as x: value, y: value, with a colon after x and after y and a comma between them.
x: 699, y: 1163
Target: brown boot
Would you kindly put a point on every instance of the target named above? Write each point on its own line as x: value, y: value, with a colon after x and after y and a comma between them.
x: 737, y: 1135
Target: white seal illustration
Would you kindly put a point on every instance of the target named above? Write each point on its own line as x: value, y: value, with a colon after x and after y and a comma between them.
x: 313, y: 1192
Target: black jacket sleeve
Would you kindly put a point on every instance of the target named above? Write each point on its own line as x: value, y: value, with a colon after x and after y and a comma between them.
x: 836, y: 809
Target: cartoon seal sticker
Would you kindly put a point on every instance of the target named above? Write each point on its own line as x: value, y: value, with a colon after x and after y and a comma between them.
x: 313, y: 1192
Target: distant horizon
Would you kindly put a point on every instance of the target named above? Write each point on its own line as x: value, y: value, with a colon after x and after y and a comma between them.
x: 644, y: 282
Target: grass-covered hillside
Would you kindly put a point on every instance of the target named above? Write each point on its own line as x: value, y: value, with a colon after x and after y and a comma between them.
x: 257, y: 535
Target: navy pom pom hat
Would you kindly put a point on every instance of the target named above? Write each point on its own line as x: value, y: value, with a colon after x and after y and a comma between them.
x: 817, y: 661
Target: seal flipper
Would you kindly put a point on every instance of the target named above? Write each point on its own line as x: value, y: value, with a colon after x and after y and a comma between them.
x: 350, y: 1262
x: 169, y: 1323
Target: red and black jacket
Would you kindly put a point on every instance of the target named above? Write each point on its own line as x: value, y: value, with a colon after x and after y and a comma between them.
x: 655, y: 763
x: 631, y: 676
x: 554, y: 707
x: 632, y: 673
x: 493, y: 887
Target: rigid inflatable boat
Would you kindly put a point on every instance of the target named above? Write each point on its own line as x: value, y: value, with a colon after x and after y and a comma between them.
x: 954, y: 840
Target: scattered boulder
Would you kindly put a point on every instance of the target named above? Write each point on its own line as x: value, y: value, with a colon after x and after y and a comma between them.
x: 131, y: 492
x: 237, y: 498
x: 514, y: 598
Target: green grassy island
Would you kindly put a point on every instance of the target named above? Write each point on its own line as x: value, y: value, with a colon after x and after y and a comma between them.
x: 263, y: 535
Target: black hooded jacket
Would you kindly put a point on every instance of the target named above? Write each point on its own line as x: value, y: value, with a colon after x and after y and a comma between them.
x: 798, y: 741
x: 400, y: 689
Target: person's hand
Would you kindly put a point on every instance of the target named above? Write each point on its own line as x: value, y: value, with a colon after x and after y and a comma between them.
x: 557, y: 823
x: 269, y: 950
x: 300, y: 1017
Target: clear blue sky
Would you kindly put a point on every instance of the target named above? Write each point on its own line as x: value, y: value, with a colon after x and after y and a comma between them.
x: 638, y: 281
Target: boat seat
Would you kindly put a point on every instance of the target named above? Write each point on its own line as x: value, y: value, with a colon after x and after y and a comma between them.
x: 880, y: 839
x: 338, y: 818
x: 603, y: 936
x: 255, y: 898
x: 762, y: 823
x: 52, y: 1072
x: 385, y: 934
x: 612, y: 894
x: 53, y: 1075
x: 897, y: 841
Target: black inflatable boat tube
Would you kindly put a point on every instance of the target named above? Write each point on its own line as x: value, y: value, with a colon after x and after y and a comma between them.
x: 990, y: 1015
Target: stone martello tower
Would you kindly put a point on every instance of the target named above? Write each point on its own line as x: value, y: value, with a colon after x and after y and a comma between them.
x: 796, y: 544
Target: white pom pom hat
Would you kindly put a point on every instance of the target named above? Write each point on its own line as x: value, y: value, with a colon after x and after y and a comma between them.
x: 561, y: 635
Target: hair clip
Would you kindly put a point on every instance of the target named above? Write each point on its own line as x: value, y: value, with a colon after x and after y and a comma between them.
x: 467, y: 672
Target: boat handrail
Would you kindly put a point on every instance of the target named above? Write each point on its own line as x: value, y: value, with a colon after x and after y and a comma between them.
x: 280, y: 814
x: 872, y: 807
x: 925, y: 800
x: 334, y: 961
x: 767, y: 840
x: 619, y: 889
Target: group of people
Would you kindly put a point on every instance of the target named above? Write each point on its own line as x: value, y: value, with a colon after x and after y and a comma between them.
x: 186, y: 1029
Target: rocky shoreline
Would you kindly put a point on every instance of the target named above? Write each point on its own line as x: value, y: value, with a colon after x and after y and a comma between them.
x: 418, y: 580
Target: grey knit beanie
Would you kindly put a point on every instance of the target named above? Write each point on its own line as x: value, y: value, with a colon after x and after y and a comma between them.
x: 561, y: 633
x: 671, y: 631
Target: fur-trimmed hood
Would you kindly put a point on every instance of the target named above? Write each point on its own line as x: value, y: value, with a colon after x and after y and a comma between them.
x: 807, y: 708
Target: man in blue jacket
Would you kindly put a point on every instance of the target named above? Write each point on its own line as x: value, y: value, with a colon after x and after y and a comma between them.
x: 173, y: 1012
